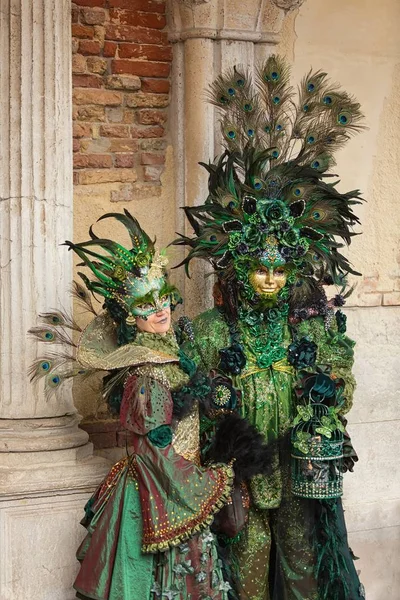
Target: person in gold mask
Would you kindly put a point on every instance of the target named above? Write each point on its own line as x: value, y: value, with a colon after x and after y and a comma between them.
x: 270, y: 229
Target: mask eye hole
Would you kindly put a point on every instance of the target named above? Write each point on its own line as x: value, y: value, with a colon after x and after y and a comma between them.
x: 145, y: 306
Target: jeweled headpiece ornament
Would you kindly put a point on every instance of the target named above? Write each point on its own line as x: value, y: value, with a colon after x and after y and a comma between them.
x: 134, y: 278
x: 270, y: 192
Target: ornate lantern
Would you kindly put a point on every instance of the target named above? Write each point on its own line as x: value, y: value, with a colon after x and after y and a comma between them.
x: 317, y: 454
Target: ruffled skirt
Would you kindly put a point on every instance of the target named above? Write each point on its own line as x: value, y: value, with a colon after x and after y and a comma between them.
x: 113, y: 565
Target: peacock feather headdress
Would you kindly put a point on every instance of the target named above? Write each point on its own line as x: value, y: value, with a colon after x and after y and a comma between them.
x: 270, y: 195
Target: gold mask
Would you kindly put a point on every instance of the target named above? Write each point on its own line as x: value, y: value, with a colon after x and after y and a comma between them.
x: 268, y: 281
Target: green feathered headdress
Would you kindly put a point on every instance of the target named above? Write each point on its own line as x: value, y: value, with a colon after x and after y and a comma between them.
x: 270, y: 191
x: 135, y: 279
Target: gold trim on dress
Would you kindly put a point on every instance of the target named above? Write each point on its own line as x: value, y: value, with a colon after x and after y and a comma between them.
x: 194, y: 525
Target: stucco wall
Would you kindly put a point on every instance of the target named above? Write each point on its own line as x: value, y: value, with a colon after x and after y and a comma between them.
x: 358, y: 44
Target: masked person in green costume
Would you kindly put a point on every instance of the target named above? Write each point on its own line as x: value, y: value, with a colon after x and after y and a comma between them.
x: 148, y: 534
x: 271, y: 228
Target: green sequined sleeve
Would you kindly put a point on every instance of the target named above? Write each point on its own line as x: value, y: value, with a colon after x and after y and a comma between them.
x: 334, y: 349
x: 210, y: 335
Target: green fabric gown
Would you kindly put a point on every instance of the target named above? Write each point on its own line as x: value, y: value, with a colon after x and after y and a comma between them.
x: 148, y: 522
x: 277, y: 519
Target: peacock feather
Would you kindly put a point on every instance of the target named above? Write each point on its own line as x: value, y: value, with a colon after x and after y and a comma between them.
x: 80, y: 293
x: 58, y: 318
x: 58, y: 364
x: 51, y: 335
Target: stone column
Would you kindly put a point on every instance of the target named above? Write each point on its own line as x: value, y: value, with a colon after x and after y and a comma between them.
x: 46, y: 463
x: 209, y: 37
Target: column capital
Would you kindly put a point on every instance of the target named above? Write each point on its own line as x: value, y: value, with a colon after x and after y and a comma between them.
x: 251, y: 21
x: 288, y: 5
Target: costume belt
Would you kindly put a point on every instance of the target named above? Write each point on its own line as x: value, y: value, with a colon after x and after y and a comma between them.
x: 280, y: 365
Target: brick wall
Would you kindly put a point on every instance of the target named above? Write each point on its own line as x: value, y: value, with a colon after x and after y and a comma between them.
x: 121, y: 66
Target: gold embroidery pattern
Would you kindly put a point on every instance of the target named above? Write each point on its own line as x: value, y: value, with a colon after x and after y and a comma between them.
x: 187, y: 435
x: 169, y: 536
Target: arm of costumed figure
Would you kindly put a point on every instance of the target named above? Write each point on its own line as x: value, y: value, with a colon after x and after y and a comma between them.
x: 178, y: 498
x: 336, y: 350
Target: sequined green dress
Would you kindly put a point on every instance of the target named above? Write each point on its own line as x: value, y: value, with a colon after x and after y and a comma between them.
x: 148, y: 523
x: 277, y: 520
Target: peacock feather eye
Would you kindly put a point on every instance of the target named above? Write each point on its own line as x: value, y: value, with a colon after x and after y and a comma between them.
x: 231, y: 205
x: 315, y: 164
x: 213, y: 238
x: 248, y: 107
x: 55, y: 380
x: 279, y: 127
x: 327, y: 100
x: 274, y: 75
x: 275, y: 153
x: 310, y: 87
x: 276, y: 99
x: 343, y: 118
x: 45, y: 365
x: 223, y: 100
x: 257, y: 184
x: 250, y: 132
x: 267, y: 129
x: 310, y: 139
x: 49, y: 336
x: 297, y: 192
x: 306, y: 108
x: 231, y: 91
x: 316, y: 215
x: 56, y: 320
x: 231, y: 134
x: 240, y: 82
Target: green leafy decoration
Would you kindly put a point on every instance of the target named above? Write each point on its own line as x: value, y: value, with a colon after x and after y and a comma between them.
x: 330, y: 423
x: 304, y: 413
x: 301, y: 441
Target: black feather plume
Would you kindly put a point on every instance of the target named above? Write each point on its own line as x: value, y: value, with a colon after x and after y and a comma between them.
x: 236, y: 439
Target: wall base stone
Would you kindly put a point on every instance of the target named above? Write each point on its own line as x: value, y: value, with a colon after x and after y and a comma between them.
x: 48, y: 534
x: 372, y: 492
